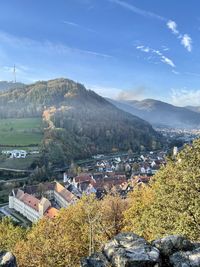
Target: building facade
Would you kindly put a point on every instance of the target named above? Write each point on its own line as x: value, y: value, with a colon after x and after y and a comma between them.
x: 34, y: 208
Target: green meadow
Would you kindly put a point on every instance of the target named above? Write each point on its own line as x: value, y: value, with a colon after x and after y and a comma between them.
x: 21, y: 132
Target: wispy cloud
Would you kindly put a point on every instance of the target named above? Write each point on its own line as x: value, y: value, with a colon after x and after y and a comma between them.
x: 172, y: 26
x: 184, y: 97
x: 160, y: 55
x: 165, y: 48
x: 186, y: 40
x: 22, y: 72
x: 167, y: 60
x: 175, y: 72
x: 47, y: 46
x: 106, y: 91
x: 72, y: 24
x: 137, y: 10
x: 193, y: 74
x: 137, y: 93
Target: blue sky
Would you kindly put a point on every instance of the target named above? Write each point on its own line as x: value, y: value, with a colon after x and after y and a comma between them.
x: 128, y: 49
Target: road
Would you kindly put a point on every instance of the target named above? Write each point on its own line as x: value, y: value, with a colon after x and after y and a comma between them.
x: 14, y: 180
x: 15, y: 170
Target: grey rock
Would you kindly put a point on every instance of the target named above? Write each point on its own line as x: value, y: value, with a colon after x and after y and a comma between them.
x: 7, y: 259
x: 130, y: 250
x: 196, y: 245
x: 171, y: 244
x: 95, y: 260
x: 186, y: 258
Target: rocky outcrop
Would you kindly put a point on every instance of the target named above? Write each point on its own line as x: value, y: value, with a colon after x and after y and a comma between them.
x: 131, y: 250
x: 7, y: 259
x: 186, y: 259
x: 97, y: 260
x: 170, y: 244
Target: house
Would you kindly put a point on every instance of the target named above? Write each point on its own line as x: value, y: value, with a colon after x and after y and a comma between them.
x: 138, y: 180
x: 15, y: 154
x: 29, y: 206
x: 62, y: 196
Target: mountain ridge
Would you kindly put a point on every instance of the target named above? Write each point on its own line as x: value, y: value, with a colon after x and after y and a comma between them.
x: 159, y: 113
x: 6, y: 86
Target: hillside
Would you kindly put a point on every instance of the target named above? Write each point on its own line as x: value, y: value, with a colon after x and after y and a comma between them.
x: 5, y: 86
x: 79, y: 123
x: 194, y: 108
x: 160, y: 113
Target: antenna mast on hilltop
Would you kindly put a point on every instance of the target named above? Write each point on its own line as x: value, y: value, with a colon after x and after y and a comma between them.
x: 14, y: 74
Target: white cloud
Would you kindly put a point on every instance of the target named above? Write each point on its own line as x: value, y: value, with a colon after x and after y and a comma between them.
x: 186, y: 41
x: 137, y: 93
x: 70, y: 23
x: 157, y: 52
x: 161, y: 56
x: 46, y: 46
x: 105, y: 91
x: 164, y: 48
x: 137, y: 10
x: 175, y: 72
x: 184, y: 97
x: 167, y: 61
x: 172, y: 26
x: 143, y: 49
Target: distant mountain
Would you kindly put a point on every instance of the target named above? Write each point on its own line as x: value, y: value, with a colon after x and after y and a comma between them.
x: 193, y: 108
x: 79, y: 123
x: 159, y: 113
x: 5, y: 86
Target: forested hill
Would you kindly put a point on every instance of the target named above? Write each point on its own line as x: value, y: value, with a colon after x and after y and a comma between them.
x: 79, y: 122
x: 5, y: 86
x: 159, y: 113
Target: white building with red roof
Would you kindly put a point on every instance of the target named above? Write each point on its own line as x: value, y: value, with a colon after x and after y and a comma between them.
x: 34, y: 208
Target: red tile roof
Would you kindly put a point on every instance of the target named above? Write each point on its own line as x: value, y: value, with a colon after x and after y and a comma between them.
x: 51, y: 212
x: 83, y: 178
x: 29, y: 200
x: 66, y: 194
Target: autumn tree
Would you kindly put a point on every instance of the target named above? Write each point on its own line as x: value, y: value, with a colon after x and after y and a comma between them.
x: 62, y: 241
x: 10, y: 234
x: 112, y: 209
x: 171, y: 204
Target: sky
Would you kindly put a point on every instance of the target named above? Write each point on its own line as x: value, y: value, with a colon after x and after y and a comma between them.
x: 122, y: 49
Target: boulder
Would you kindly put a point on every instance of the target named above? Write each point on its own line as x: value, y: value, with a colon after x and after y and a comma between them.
x: 95, y: 260
x: 130, y: 250
x: 171, y: 244
x: 186, y: 258
x: 7, y: 259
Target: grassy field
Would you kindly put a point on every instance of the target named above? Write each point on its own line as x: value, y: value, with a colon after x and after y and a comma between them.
x: 21, y: 132
x: 22, y: 164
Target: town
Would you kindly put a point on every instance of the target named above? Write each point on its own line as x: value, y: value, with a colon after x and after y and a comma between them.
x: 117, y: 173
